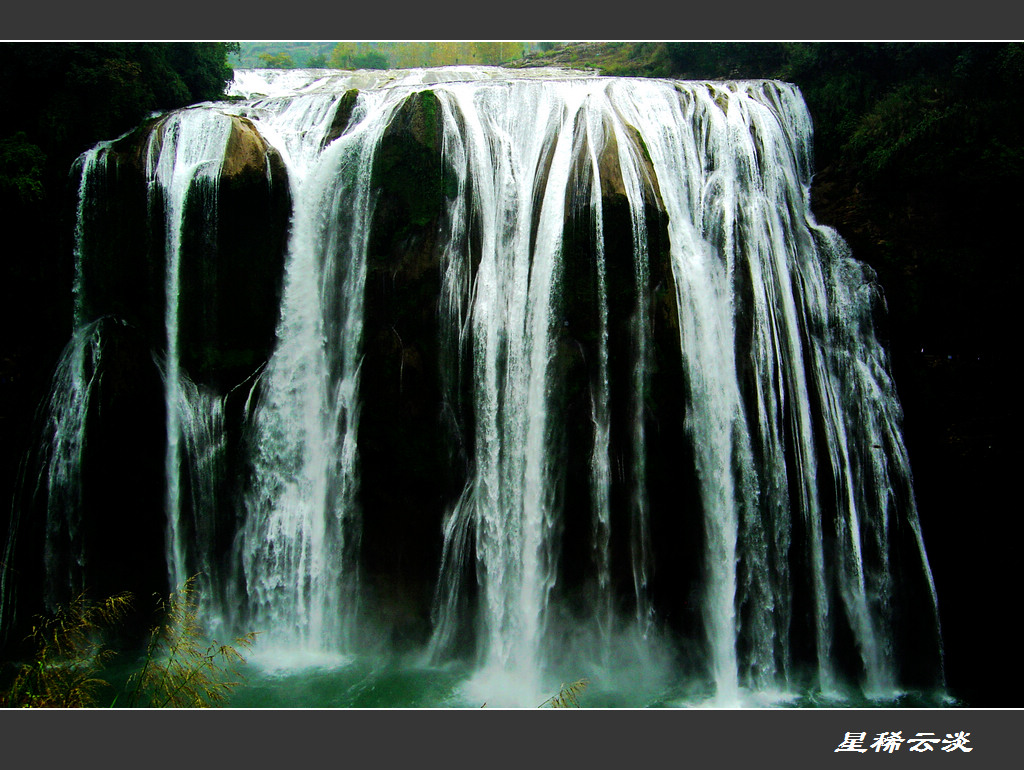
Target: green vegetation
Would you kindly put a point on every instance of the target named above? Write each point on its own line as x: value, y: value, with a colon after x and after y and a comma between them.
x: 280, y: 61
x: 69, y: 657
x: 352, y: 56
x: 636, y: 59
x: 381, y: 55
x: 180, y: 669
x: 63, y: 97
x: 302, y: 53
x: 21, y: 168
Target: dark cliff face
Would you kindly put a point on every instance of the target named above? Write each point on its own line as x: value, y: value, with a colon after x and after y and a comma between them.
x: 232, y: 282
x: 232, y: 273
x: 232, y: 258
x: 342, y: 116
x: 412, y: 454
x: 123, y: 469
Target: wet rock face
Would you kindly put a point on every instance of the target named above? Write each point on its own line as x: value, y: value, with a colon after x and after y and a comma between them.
x: 123, y: 266
x: 233, y: 266
x: 232, y: 260
x: 413, y: 186
x: 639, y: 300
x: 409, y: 468
x: 342, y: 116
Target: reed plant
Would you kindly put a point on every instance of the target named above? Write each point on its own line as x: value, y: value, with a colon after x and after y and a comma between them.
x: 567, y: 696
x: 180, y: 667
x: 70, y: 653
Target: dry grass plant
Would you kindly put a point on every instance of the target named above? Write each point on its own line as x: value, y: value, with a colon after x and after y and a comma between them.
x: 568, y: 695
x: 70, y: 654
x: 181, y: 668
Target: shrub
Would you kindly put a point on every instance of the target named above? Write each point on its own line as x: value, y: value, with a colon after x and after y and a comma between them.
x: 70, y: 653
x: 180, y: 668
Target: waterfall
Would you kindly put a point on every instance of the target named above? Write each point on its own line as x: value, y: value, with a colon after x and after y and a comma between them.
x: 300, y: 537
x: 600, y: 407
x: 509, y: 495
x: 67, y: 411
x: 183, y: 155
x: 659, y: 407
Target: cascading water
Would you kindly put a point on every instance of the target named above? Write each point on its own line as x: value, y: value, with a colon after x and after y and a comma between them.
x: 521, y: 155
x: 660, y: 374
x: 300, y: 539
x: 183, y: 161
x: 68, y: 409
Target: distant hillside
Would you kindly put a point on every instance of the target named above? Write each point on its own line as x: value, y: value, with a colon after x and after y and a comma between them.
x: 300, y: 53
x: 383, y: 54
x: 640, y: 59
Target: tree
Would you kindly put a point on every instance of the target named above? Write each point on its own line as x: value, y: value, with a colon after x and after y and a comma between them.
x: 21, y: 170
x: 278, y: 61
x: 723, y: 59
x: 342, y: 55
x: 495, y: 52
x: 371, y: 60
x: 447, y: 53
x: 412, y: 54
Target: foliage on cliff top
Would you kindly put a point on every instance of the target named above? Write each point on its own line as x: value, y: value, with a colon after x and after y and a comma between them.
x: 61, y: 98
x: 369, y: 54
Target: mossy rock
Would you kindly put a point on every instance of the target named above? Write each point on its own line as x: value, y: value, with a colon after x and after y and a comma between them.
x: 408, y: 475
x: 413, y: 181
x: 342, y: 116
x: 123, y: 265
x: 232, y: 270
